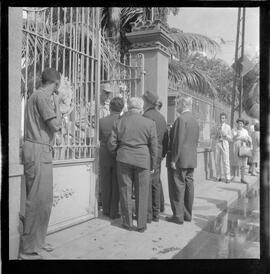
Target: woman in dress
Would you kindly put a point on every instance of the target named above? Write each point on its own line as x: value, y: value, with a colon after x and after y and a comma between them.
x: 240, y: 137
x: 256, y: 149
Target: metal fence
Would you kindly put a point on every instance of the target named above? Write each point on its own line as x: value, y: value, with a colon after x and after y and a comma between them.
x: 204, y: 109
x: 69, y: 40
x: 125, y: 75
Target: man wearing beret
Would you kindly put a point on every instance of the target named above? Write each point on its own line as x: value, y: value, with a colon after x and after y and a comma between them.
x: 150, y: 111
x: 134, y: 140
x: 108, y: 176
x: 42, y: 120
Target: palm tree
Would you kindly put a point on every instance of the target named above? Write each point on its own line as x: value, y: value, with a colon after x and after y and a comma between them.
x: 116, y: 22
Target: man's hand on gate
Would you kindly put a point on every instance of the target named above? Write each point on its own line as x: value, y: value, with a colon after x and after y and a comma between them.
x: 173, y: 166
x: 152, y: 171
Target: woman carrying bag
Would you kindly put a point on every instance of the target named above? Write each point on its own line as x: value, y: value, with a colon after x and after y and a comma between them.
x: 241, y: 147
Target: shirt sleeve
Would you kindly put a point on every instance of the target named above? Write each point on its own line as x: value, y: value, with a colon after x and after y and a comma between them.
x: 112, y: 144
x: 45, y: 107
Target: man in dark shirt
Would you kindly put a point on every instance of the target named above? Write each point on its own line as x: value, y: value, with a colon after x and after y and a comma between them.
x: 150, y: 111
x: 108, y: 176
x: 41, y: 122
x: 134, y: 139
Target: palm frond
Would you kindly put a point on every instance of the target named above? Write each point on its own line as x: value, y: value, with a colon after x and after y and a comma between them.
x: 193, y: 78
x: 184, y: 43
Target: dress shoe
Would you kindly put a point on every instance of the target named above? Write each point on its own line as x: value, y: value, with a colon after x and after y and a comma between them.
x: 155, y: 219
x: 244, y: 182
x: 149, y: 221
x: 187, y: 219
x: 116, y: 216
x: 30, y: 256
x: 174, y: 220
x: 227, y: 181
x: 127, y: 227
x: 48, y: 247
x: 141, y: 230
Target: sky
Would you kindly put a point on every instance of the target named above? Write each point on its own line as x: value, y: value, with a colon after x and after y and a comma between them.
x: 219, y: 23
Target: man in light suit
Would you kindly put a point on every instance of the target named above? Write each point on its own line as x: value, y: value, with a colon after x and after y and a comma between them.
x: 183, y: 152
x: 134, y: 139
x: 108, y: 175
x: 222, y: 137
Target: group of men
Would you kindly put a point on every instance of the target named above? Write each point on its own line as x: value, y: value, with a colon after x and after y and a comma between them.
x: 132, y: 146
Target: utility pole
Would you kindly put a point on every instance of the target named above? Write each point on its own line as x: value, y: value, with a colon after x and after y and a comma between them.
x: 238, y: 59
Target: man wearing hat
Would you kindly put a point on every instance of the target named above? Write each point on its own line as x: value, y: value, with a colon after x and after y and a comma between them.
x: 150, y: 111
x: 108, y: 177
x: 105, y: 94
x: 134, y: 140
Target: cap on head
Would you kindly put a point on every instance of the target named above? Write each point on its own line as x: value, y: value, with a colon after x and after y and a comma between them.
x: 107, y: 87
x: 50, y: 76
x: 116, y: 104
x: 135, y: 103
x: 150, y: 97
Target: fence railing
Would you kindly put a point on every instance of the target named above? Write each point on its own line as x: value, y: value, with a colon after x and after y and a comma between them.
x: 205, y: 110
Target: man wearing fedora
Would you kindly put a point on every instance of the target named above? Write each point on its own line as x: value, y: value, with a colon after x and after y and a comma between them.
x: 150, y: 100
x: 105, y: 95
x: 134, y: 140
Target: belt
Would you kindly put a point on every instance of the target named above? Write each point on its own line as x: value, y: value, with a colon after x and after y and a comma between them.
x: 37, y: 142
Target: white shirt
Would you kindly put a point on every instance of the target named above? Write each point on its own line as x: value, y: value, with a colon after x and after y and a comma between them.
x: 223, y: 133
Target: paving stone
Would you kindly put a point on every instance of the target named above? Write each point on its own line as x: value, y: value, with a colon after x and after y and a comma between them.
x: 102, y: 239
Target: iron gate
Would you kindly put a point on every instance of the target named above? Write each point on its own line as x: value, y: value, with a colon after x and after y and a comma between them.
x: 70, y: 40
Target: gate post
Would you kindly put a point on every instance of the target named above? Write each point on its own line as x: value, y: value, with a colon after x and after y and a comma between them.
x: 152, y: 40
x: 14, y: 103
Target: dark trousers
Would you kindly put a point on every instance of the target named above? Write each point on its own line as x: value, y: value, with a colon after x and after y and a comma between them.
x: 181, y: 192
x: 125, y: 174
x: 161, y: 196
x: 154, y: 194
x: 109, y: 191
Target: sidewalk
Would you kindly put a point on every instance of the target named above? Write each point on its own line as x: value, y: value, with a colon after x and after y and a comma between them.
x: 104, y: 239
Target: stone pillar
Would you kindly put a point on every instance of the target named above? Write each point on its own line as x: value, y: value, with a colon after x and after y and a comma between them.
x: 15, y: 167
x: 152, y: 40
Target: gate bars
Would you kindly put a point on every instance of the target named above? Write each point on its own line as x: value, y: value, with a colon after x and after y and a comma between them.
x: 69, y: 39
x: 125, y: 74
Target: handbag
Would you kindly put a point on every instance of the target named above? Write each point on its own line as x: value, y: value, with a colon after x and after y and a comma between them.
x: 244, y: 151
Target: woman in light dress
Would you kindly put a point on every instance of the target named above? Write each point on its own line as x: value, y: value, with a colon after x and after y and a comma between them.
x: 255, y: 136
x: 240, y: 137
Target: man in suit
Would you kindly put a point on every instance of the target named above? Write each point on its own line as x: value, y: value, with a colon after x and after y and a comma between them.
x: 183, y: 148
x: 134, y: 139
x: 150, y: 111
x: 164, y: 145
x: 107, y: 162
